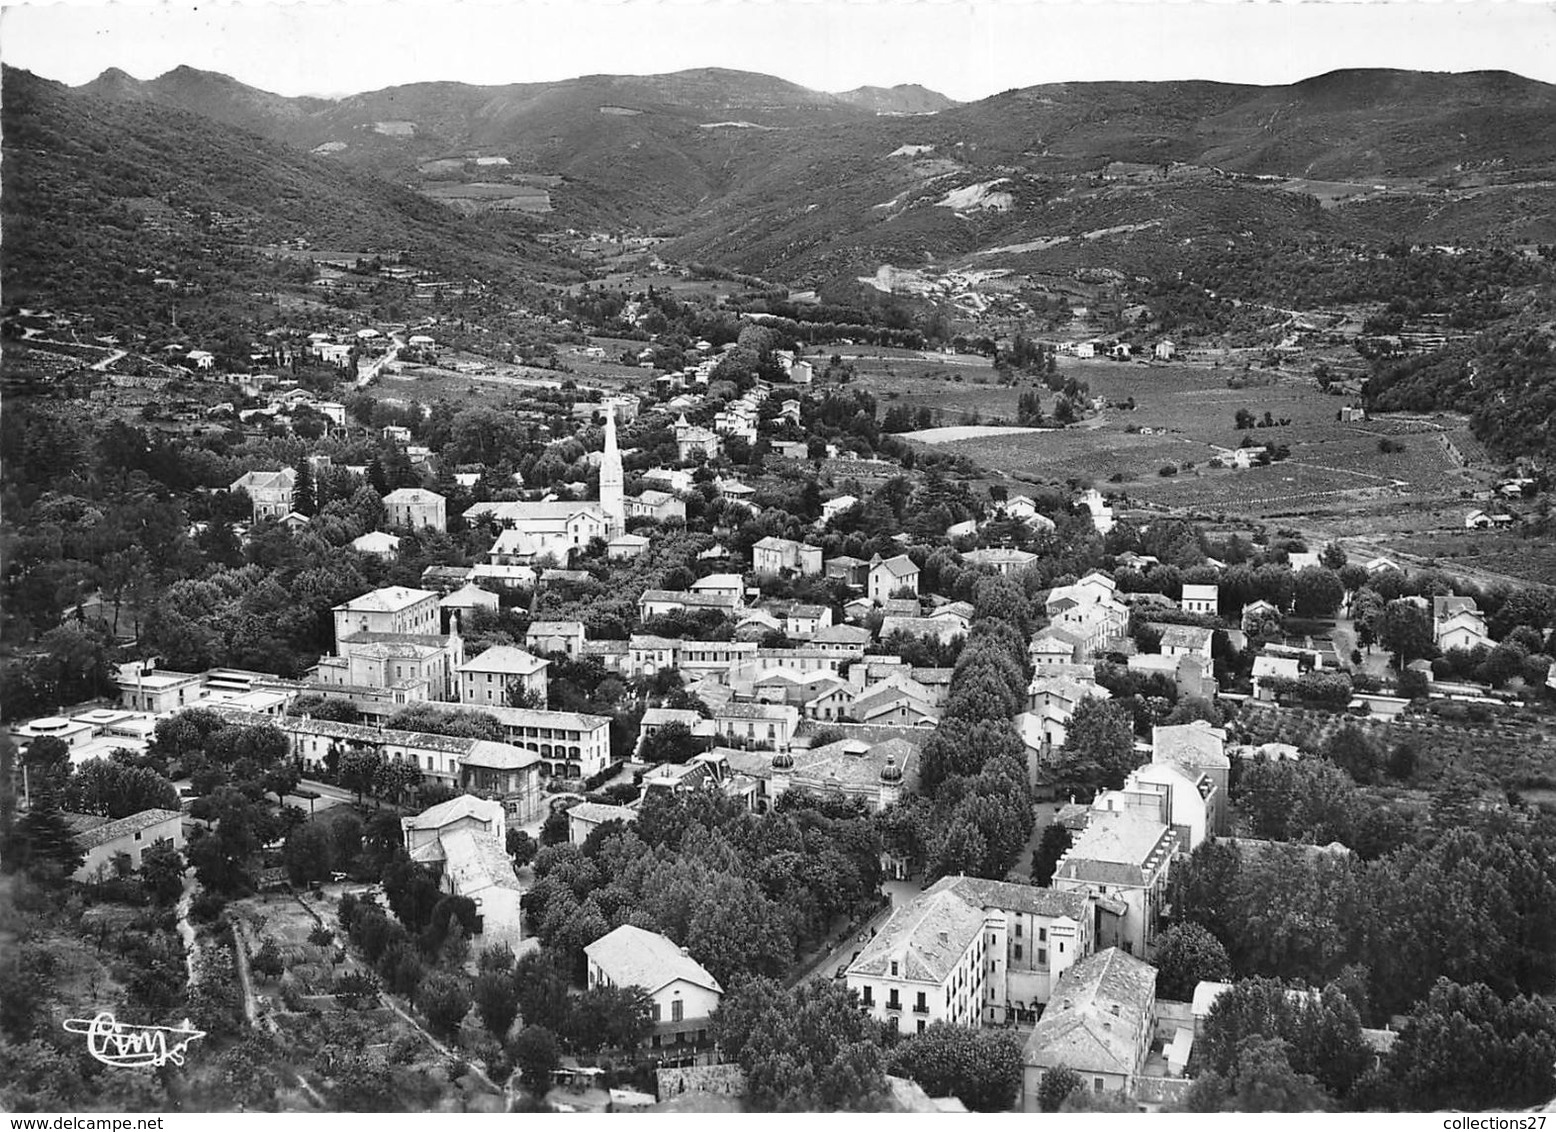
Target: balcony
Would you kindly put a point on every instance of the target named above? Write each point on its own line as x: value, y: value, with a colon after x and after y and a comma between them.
x: 921, y: 1008
x: 893, y: 1004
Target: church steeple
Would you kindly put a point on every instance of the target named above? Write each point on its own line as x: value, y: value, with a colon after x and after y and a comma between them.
x: 611, y: 478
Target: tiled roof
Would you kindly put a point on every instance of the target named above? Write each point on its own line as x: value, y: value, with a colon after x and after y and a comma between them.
x: 413, y: 495
x: 926, y: 938
x: 900, y: 566
x: 101, y: 834
x: 1009, y: 897
x: 1185, y: 636
x: 1095, y: 1018
x: 1195, y: 744
x: 555, y: 629
x: 632, y: 957
x: 599, y: 813
x: 504, y: 659
x: 390, y: 599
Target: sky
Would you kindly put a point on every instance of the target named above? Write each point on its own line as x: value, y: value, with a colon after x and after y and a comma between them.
x: 967, y: 49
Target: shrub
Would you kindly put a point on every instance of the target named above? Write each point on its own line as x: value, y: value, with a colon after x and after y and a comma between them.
x: 1167, y: 470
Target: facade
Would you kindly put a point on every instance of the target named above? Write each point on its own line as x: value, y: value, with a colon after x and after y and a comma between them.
x: 1000, y: 559
x: 394, y: 609
x: 937, y: 959
x: 1200, y: 750
x: 1100, y: 1024
x: 586, y: 817
x: 107, y: 844
x: 550, y: 638
x: 492, y: 676
x: 1122, y: 859
x: 612, y: 495
x: 1202, y: 599
x: 776, y: 556
x: 270, y: 492
x: 682, y: 993
x: 416, y: 508
x: 888, y: 576
x: 380, y: 544
x: 768, y: 725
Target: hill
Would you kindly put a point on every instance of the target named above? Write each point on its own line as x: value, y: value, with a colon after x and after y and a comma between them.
x: 104, y: 194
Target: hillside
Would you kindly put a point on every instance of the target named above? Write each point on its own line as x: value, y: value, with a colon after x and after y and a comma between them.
x: 104, y: 194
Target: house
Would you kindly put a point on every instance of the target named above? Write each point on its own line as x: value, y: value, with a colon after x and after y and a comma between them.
x: 107, y: 845
x: 1166, y: 793
x: 1054, y: 646
x: 626, y: 546
x: 752, y: 725
x: 1001, y: 560
x: 1046, y: 932
x: 1201, y: 599
x: 933, y: 961
x: 1101, y: 514
x: 941, y: 629
x: 1464, y: 628
x: 1186, y: 640
x: 721, y: 585
x: 1377, y: 565
x: 653, y: 603
x: 693, y: 442
x: 494, y: 675
x: 415, y: 508
x: 1100, y: 1023
x: 851, y: 571
x: 1164, y: 350
x: 465, y: 838
x: 1267, y: 668
x: 832, y: 508
x: 888, y: 576
x: 681, y: 992
x: 586, y: 817
x: 464, y: 602
x: 654, y: 504
x: 1258, y: 614
x: 393, y: 609
x: 377, y: 543
x: 842, y: 640
x: 1122, y: 858
x: 550, y: 528
x: 270, y: 492
x: 1199, y: 749
x: 779, y: 556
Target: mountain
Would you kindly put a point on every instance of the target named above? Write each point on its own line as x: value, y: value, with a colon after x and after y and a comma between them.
x: 906, y: 98
x: 104, y: 193
x: 791, y: 183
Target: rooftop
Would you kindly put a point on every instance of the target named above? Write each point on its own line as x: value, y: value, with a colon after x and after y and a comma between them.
x: 507, y: 659
x: 630, y: 956
x: 926, y: 938
x: 1095, y: 1017
x: 101, y: 832
x: 390, y: 599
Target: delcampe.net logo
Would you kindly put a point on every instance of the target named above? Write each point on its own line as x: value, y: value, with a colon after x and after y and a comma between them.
x: 133, y: 1047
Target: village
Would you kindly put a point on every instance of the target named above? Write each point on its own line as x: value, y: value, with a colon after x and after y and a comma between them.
x: 765, y: 615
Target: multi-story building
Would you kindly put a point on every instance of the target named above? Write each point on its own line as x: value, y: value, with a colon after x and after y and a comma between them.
x: 1199, y: 750
x: 1099, y: 1023
x: 393, y: 609
x: 889, y: 575
x: 463, y: 839
x: 492, y: 676
x: 937, y: 959
x: 776, y: 556
x: 1122, y: 859
x: 1202, y: 599
x: 270, y: 492
x: 416, y: 508
x: 757, y: 725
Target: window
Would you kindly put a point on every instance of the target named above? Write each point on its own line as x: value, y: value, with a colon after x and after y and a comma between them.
x: 1018, y: 951
x: 1042, y: 956
x: 1098, y: 1084
x: 921, y: 1025
x: 921, y: 1006
x: 892, y: 1002
x: 1018, y: 929
x: 1042, y: 935
x: 655, y: 1012
x: 677, y: 1011
x: 894, y: 971
x: 869, y: 995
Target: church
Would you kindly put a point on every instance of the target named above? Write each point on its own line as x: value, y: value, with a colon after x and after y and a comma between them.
x: 555, y: 530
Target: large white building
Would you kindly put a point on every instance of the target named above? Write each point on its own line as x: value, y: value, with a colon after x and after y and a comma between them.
x: 934, y: 961
x: 464, y: 839
x: 417, y: 508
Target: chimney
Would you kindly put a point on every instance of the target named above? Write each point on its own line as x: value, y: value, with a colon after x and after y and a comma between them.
x: 685, y: 952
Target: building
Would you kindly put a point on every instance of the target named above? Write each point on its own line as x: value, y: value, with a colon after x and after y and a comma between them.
x: 625, y: 546
x: 681, y: 992
x: 832, y: 508
x: 612, y: 497
x: 757, y: 725
x: 1166, y: 793
x: 1000, y: 559
x: 494, y: 675
x: 933, y: 961
x: 656, y: 505
x: 1122, y: 859
x: 416, y: 508
x: 851, y: 571
x: 586, y: 817
x: 778, y: 556
x: 393, y: 609
x: 1100, y: 1024
x: 1046, y: 932
x: 465, y: 602
x: 379, y: 544
x: 552, y: 638
x: 1202, y: 599
x: 1187, y: 640
x: 1457, y: 623
x: 554, y: 529
x: 464, y: 838
x: 695, y: 443
x: 108, y: 845
x: 888, y: 576
x: 270, y: 492
x: 1199, y: 749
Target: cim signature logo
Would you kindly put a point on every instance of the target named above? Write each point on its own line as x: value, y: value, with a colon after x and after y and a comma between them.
x: 121, y: 1044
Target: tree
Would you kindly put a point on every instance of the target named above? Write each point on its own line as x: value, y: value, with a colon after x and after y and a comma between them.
x: 497, y: 1001
x: 1465, y: 1048
x: 1261, y: 1081
x: 305, y: 499
x: 42, y: 842
x: 309, y: 853
x: 980, y: 1067
x: 1355, y: 751
x: 1055, y: 1088
x: 521, y: 847
x: 536, y: 1052
x: 1099, y: 748
x: 671, y: 743
x: 1188, y: 955
x: 543, y: 998
x: 555, y: 829
x: 1054, y: 844
x: 1405, y: 631
x: 1319, y: 592
x: 1321, y: 1032
x: 115, y: 790
x: 605, y: 1017
x: 162, y: 873
x: 444, y: 999
x: 267, y: 960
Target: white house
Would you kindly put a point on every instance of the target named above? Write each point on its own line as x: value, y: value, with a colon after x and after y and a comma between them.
x: 683, y: 995
x: 890, y: 575
x: 1202, y: 599
x: 490, y: 676
x: 103, y: 842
